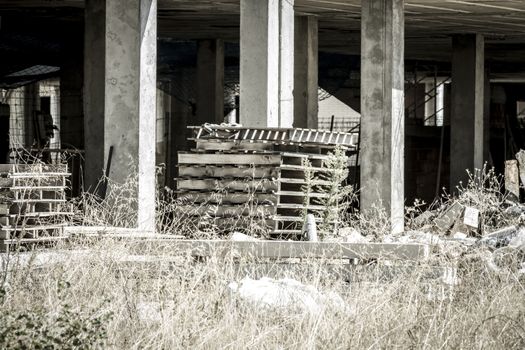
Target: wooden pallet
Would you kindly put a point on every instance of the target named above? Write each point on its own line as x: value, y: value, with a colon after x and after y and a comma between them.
x: 309, y: 137
x: 33, y: 203
x: 244, y: 173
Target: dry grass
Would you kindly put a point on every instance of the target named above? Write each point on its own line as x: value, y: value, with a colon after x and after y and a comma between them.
x: 115, y: 294
x: 176, y: 302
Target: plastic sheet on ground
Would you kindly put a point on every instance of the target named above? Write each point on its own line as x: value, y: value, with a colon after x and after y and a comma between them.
x: 286, y: 294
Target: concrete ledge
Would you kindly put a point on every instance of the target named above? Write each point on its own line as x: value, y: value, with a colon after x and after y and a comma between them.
x: 291, y: 249
x: 258, y: 249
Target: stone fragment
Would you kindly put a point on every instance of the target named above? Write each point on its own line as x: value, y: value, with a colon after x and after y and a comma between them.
x: 499, y: 238
x: 471, y: 217
x: 520, y: 156
x: 449, y: 217
x: 512, y: 181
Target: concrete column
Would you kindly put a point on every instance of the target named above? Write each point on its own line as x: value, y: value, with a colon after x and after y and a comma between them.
x: 180, y: 117
x: 467, y: 116
x: 210, y: 81
x: 306, y: 105
x: 120, y: 96
x: 382, y: 108
x: 267, y: 63
x: 71, y: 105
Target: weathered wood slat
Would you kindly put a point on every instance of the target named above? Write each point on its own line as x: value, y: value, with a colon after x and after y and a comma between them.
x: 232, y: 185
x: 232, y: 145
x: 229, y: 198
x: 34, y: 240
x: 302, y: 194
x: 210, y: 171
x: 40, y: 168
x: 22, y: 228
x: 286, y: 135
x: 227, y: 210
x: 205, y: 158
x: 37, y: 175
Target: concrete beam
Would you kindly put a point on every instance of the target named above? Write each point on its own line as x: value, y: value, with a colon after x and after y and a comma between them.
x: 382, y: 109
x: 120, y: 96
x: 467, y: 110
x: 306, y: 105
x: 267, y: 63
x: 210, y: 81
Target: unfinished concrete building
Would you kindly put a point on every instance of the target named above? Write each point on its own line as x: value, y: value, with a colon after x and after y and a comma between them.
x: 436, y: 86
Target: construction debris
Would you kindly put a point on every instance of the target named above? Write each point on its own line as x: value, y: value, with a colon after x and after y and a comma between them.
x: 239, y: 176
x: 512, y: 180
x: 449, y: 217
x: 286, y: 294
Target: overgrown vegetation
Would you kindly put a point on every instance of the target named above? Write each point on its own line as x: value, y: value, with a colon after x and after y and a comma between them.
x: 175, y: 302
x: 35, y: 325
x: 132, y: 295
x: 336, y: 195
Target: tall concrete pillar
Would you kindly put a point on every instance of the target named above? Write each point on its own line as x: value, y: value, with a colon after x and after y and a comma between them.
x: 210, y: 81
x: 181, y: 117
x: 306, y: 105
x: 71, y: 105
x: 467, y: 116
x: 382, y: 108
x: 267, y: 63
x: 120, y: 91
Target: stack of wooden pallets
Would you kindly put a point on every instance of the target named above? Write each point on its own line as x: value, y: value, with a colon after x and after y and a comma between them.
x: 239, y: 176
x: 33, y: 205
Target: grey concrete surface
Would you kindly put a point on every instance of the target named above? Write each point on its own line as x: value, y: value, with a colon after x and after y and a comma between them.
x: 382, y: 109
x: 306, y: 106
x: 467, y: 105
x: 266, y: 63
x: 210, y: 81
x: 121, y: 96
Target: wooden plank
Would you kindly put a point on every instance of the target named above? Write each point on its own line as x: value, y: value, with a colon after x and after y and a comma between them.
x: 305, y: 155
x: 35, y: 240
x: 232, y: 145
x: 256, y: 159
x: 292, y: 218
x: 300, y: 181
x: 37, y: 175
x: 41, y: 168
x: 38, y: 188
x: 287, y: 135
x: 8, y: 182
x: 211, y: 171
x: 290, y: 249
x: 4, y: 208
x: 298, y: 206
x: 34, y: 215
x: 302, y: 194
x: 229, y: 198
x: 27, y: 228
x: 225, y: 210
x: 231, y: 185
x: 107, y: 230
x: 303, y: 168
x: 43, y: 200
